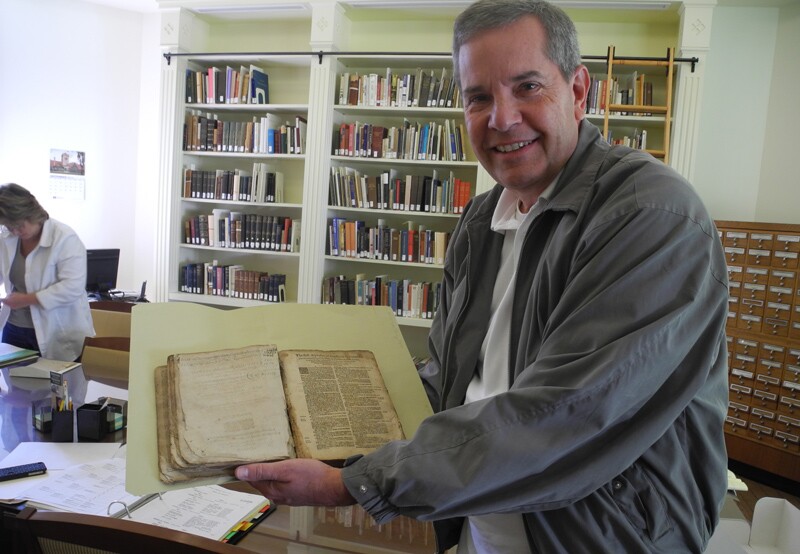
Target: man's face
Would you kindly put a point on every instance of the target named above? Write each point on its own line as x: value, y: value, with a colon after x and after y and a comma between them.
x: 522, y: 116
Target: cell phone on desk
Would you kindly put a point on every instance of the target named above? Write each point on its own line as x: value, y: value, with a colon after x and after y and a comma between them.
x: 23, y: 470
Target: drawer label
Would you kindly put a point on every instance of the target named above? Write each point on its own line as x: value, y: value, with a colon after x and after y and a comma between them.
x: 760, y: 429
x: 763, y: 413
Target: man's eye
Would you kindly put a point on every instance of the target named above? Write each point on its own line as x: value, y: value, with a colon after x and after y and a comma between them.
x: 528, y: 87
x: 476, y: 99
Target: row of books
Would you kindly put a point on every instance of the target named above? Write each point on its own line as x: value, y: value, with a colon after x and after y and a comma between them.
x: 233, y: 281
x: 637, y: 140
x: 350, y: 188
x: 405, y: 297
x: 225, y: 229
x: 215, y: 85
x: 422, y: 88
x: 431, y: 140
x: 266, y: 134
x: 262, y: 185
x: 632, y: 90
x: 353, y: 239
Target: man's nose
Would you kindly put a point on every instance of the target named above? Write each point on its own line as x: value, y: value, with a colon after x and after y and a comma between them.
x: 505, y: 114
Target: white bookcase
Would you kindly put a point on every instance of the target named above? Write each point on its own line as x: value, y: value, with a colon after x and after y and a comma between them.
x: 288, y: 95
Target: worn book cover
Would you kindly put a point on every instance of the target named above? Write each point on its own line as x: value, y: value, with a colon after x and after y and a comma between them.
x: 216, y: 410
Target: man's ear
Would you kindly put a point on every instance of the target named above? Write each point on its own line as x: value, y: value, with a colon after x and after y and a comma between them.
x: 580, y: 89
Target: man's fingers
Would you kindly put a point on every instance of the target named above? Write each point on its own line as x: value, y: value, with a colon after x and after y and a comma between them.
x: 258, y: 472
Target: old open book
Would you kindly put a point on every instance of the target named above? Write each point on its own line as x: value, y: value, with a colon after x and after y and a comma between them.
x: 216, y: 410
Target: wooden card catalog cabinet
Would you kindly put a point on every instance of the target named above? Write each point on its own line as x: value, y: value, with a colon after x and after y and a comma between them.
x: 763, y: 422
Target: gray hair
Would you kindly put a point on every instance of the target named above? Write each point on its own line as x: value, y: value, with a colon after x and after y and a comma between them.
x: 17, y: 204
x: 561, y: 42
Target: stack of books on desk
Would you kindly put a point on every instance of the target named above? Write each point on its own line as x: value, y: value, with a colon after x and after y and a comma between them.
x: 42, y: 368
x: 13, y: 355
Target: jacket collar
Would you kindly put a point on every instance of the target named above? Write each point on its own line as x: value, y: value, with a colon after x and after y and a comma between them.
x: 578, y: 175
x: 48, y: 233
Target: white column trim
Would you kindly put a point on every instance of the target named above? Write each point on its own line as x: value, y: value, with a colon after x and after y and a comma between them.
x: 694, y: 42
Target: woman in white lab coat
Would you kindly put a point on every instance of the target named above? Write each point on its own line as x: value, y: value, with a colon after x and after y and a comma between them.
x: 43, y: 271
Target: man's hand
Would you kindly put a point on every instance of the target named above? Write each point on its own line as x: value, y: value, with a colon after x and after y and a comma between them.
x: 298, y: 482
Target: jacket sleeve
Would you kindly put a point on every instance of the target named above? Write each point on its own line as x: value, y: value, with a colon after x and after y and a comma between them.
x: 632, y: 340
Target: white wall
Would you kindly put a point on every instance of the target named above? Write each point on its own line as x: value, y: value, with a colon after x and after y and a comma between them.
x: 779, y: 191
x: 71, y: 77
x: 734, y: 111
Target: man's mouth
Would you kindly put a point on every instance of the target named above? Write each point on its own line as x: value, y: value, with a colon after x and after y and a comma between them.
x: 513, y: 146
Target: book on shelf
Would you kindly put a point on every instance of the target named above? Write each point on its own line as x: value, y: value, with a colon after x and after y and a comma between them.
x: 344, y: 83
x: 216, y: 410
x: 259, y: 86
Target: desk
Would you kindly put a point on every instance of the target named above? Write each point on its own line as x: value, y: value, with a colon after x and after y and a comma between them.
x: 318, y: 530
x: 16, y: 395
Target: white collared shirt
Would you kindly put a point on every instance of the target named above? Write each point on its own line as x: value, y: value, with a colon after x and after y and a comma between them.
x: 500, y: 532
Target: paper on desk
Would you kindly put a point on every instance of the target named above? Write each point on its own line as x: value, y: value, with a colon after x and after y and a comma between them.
x: 209, y: 511
x: 95, y: 390
x: 57, y: 456
x: 60, y: 455
x: 90, y: 488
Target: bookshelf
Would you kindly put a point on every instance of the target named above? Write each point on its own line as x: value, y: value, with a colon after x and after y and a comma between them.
x: 631, y: 100
x: 239, y: 193
x: 401, y: 186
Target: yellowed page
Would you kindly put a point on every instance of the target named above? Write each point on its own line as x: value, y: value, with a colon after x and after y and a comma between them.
x: 161, y: 329
x: 338, y: 403
x: 230, y: 406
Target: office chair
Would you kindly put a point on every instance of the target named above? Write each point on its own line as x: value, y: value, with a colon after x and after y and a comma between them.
x: 46, y: 532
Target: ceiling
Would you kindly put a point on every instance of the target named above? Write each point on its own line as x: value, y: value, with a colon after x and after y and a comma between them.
x: 152, y: 6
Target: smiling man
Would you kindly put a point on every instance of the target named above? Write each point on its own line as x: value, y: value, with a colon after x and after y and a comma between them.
x: 578, y: 360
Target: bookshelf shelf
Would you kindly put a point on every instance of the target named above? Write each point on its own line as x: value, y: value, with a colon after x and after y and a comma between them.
x: 212, y: 300
x: 240, y: 204
x: 353, y: 259
x: 398, y: 161
x: 415, y: 322
x: 246, y: 108
x: 401, y: 214
x: 243, y: 155
x: 404, y: 111
x: 249, y: 251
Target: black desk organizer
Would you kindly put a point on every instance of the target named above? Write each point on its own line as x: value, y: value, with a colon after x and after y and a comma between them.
x: 92, y: 421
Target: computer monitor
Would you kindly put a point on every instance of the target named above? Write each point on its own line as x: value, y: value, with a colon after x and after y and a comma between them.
x: 101, y: 270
